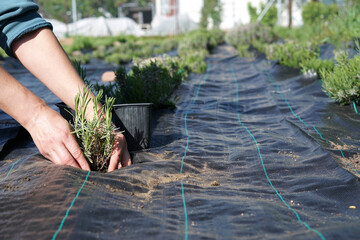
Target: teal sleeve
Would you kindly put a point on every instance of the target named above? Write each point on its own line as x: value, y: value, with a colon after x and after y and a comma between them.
x: 18, y: 17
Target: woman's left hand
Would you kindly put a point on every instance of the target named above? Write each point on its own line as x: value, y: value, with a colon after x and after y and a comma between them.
x: 120, y: 156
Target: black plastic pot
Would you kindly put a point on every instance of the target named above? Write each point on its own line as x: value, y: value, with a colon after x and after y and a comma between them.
x: 133, y: 119
x: 65, y: 111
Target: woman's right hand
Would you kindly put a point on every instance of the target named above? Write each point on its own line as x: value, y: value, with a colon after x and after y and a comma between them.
x: 52, y: 136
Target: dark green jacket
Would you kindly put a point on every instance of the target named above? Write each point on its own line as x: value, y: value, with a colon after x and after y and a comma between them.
x: 18, y: 17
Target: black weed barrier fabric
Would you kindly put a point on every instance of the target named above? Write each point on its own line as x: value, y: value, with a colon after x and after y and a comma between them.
x: 252, y: 151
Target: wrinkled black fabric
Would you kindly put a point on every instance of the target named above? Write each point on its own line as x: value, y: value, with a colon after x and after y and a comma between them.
x: 225, y: 189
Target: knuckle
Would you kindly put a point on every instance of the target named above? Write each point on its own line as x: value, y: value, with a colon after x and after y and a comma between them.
x: 67, y: 160
x: 121, y: 137
x: 77, y: 154
x: 64, y: 134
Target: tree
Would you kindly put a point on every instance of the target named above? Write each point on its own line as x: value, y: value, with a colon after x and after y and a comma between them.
x: 290, y: 13
x: 212, y: 9
x: 270, y: 18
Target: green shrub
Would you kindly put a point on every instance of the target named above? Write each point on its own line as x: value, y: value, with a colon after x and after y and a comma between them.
x: 124, y: 48
x: 201, y: 39
x: 303, y: 34
x: 346, y: 26
x: 195, y: 62
x: 119, y: 58
x: 259, y: 46
x: 172, y: 64
x: 80, y: 57
x: 243, y: 51
x: 194, y: 59
x: 215, y: 38
x: 194, y: 47
x: 147, y: 82
x: 316, y: 65
x: 246, y: 35
x: 165, y: 46
x: 100, y: 52
x: 315, y: 12
x: 290, y: 54
x: 194, y: 40
x: 82, y: 43
x: 343, y: 83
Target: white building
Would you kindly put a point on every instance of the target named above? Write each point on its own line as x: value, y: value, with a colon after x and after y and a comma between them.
x: 176, y: 16
x: 233, y: 12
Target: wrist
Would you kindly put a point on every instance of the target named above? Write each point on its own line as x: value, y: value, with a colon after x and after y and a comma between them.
x: 33, y: 115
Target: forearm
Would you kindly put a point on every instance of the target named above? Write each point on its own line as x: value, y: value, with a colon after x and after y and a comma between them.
x: 41, y: 53
x: 18, y: 101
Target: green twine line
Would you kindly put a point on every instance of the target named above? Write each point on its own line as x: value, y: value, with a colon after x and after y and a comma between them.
x: 203, y: 81
x: 185, y: 212
x: 277, y: 86
x: 265, y: 172
x: 12, y: 166
x: 71, y: 205
x: 355, y: 108
x: 318, y: 133
x: 282, y: 96
x: 342, y: 154
x: 187, y: 145
x: 186, y: 149
x: 353, y: 168
x: 182, y: 186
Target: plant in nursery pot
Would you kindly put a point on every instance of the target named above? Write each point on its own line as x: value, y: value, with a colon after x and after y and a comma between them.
x: 149, y: 84
x: 95, y: 136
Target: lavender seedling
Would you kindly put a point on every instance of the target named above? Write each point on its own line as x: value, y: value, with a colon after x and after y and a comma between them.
x: 95, y: 136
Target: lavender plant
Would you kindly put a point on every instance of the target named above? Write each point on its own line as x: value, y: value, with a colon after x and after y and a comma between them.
x: 291, y: 54
x: 343, y: 82
x: 96, y: 136
x: 147, y: 82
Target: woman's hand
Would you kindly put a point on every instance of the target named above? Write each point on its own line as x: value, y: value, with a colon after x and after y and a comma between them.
x: 52, y: 136
x: 120, y: 156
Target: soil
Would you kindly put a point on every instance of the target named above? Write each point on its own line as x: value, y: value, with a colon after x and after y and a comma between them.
x: 342, y: 147
x: 354, y: 161
x: 289, y: 154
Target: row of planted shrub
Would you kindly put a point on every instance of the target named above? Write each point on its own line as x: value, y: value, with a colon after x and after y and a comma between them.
x: 300, y: 48
x: 119, y: 49
x: 192, y: 48
x: 340, y: 81
x: 195, y: 46
x: 155, y: 79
